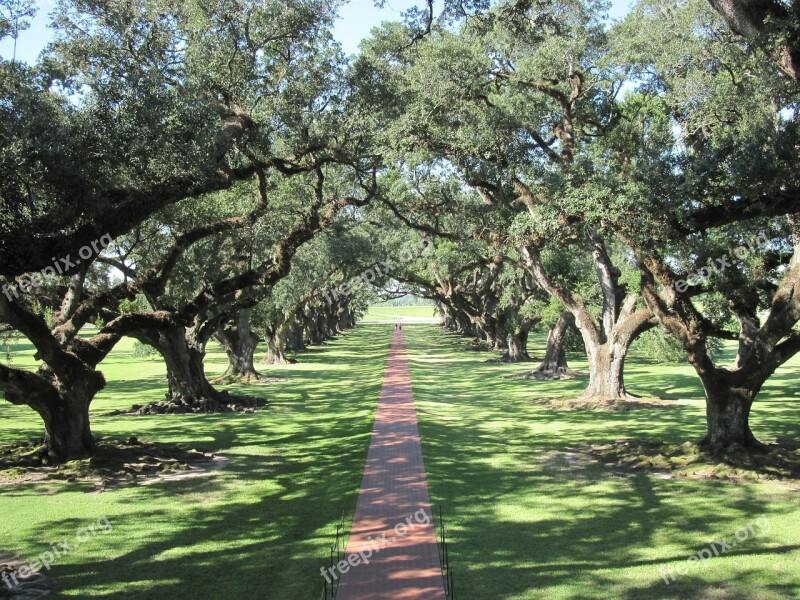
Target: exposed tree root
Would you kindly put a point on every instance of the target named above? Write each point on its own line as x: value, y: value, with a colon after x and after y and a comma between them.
x: 550, y: 375
x: 14, y: 585
x: 238, y: 378
x: 777, y: 461
x: 604, y: 404
x: 116, y: 462
x: 221, y: 402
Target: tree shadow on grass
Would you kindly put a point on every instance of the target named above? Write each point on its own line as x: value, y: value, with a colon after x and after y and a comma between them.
x: 261, y: 528
x: 521, y: 529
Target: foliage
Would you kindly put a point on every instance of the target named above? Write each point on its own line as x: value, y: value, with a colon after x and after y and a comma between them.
x: 141, y: 350
x: 664, y: 348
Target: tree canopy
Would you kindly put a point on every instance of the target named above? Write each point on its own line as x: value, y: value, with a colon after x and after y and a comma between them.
x: 525, y: 165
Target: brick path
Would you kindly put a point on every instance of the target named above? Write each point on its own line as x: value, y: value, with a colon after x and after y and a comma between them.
x: 394, y: 489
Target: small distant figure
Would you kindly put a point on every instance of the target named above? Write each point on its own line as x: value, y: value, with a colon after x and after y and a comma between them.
x: 395, y: 326
x: 400, y: 327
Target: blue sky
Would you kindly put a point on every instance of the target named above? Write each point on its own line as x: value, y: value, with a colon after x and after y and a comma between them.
x: 357, y: 18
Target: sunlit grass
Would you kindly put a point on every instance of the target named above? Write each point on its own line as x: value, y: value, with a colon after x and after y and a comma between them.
x: 261, y: 528
x: 521, y: 523
x: 525, y: 524
x: 382, y: 312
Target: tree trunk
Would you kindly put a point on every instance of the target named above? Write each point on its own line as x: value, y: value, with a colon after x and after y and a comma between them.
x: 728, y: 420
x: 68, y: 434
x: 517, y: 342
x: 331, y: 325
x: 729, y: 397
x: 189, y: 389
x: 748, y: 332
x: 606, y: 365
x: 63, y: 405
x: 239, y: 343
x: 316, y: 335
x: 606, y: 343
x: 555, y: 356
x: 488, y: 338
x: 448, y: 321
x: 607, y: 355
x: 346, y: 319
x: 295, y: 340
x: 554, y: 364
x: 276, y: 345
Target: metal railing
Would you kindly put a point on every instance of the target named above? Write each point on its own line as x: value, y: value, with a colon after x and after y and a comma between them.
x: 330, y: 589
x: 444, y: 559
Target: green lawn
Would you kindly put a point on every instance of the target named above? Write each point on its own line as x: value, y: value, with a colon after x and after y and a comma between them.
x: 382, y: 312
x: 524, y: 523
x: 261, y: 528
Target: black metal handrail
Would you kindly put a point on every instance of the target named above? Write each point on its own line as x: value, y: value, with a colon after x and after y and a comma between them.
x: 444, y: 559
x: 330, y: 589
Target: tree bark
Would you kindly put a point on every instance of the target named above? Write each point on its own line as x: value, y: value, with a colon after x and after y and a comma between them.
x: 346, y: 319
x: 68, y: 434
x: 239, y: 343
x: 554, y: 364
x: 729, y: 397
x: 517, y: 343
x: 728, y: 414
x: 295, y: 340
x: 748, y: 332
x: 331, y: 324
x: 757, y: 20
x: 606, y: 365
x: 606, y: 343
x: 65, y: 413
x: 730, y: 391
x: 275, y: 339
x: 189, y: 390
x: 316, y: 333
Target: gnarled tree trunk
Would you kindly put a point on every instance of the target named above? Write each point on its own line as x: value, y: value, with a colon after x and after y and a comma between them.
x: 606, y: 342
x: 68, y: 433
x: 517, y: 346
x: 62, y: 403
x: 730, y: 391
x: 606, y: 365
x: 275, y: 338
x: 239, y: 343
x: 188, y: 387
x: 554, y: 364
x: 67, y: 429
x: 728, y: 418
x: 295, y: 340
x: 346, y: 319
x: 729, y: 396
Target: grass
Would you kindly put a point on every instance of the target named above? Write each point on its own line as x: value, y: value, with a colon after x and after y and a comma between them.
x: 525, y: 523
x: 261, y: 528
x: 382, y: 312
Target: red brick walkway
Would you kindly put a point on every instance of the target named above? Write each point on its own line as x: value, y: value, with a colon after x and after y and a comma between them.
x: 394, y: 502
